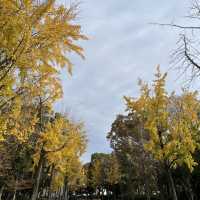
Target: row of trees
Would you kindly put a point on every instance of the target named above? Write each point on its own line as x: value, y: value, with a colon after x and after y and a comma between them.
x: 155, y: 148
x: 159, y: 137
x: 102, y: 175
x: 156, y: 143
x: 40, y: 150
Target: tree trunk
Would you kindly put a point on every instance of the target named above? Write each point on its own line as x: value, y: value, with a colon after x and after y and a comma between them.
x: 187, y: 186
x: 1, y: 191
x: 191, y: 194
x: 50, y: 181
x: 172, y: 185
x: 146, y: 187
x: 15, y: 191
x: 14, y: 196
x: 147, y: 192
x: 65, y: 196
x: 41, y: 160
x: 38, y: 177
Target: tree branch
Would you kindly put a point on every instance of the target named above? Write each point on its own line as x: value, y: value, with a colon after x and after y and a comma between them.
x: 187, y: 55
x: 177, y: 26
x: 56, y: 150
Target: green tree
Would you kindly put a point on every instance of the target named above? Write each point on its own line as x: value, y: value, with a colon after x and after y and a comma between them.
x: 127, y: 137
x: 104, y: 173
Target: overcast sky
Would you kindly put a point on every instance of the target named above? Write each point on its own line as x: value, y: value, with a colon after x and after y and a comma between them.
x: 123, y: 46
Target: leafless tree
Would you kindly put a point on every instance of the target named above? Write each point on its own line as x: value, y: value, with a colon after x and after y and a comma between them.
x: 186, y: 56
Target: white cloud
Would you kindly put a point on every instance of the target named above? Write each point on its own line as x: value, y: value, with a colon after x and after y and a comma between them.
x: 122, y: 47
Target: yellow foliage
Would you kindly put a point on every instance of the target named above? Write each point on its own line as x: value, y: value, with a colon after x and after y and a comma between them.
x: 171, y: 121
x: 35, y: 42
x: 63, y: 142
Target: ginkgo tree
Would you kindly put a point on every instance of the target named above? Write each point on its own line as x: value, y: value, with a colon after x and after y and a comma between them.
x: 172, y: 123
x: 36, y: 36
x: 35, y: 41
x: 60, y: 145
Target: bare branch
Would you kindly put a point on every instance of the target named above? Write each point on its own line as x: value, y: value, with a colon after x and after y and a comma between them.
x: 177, y: 26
